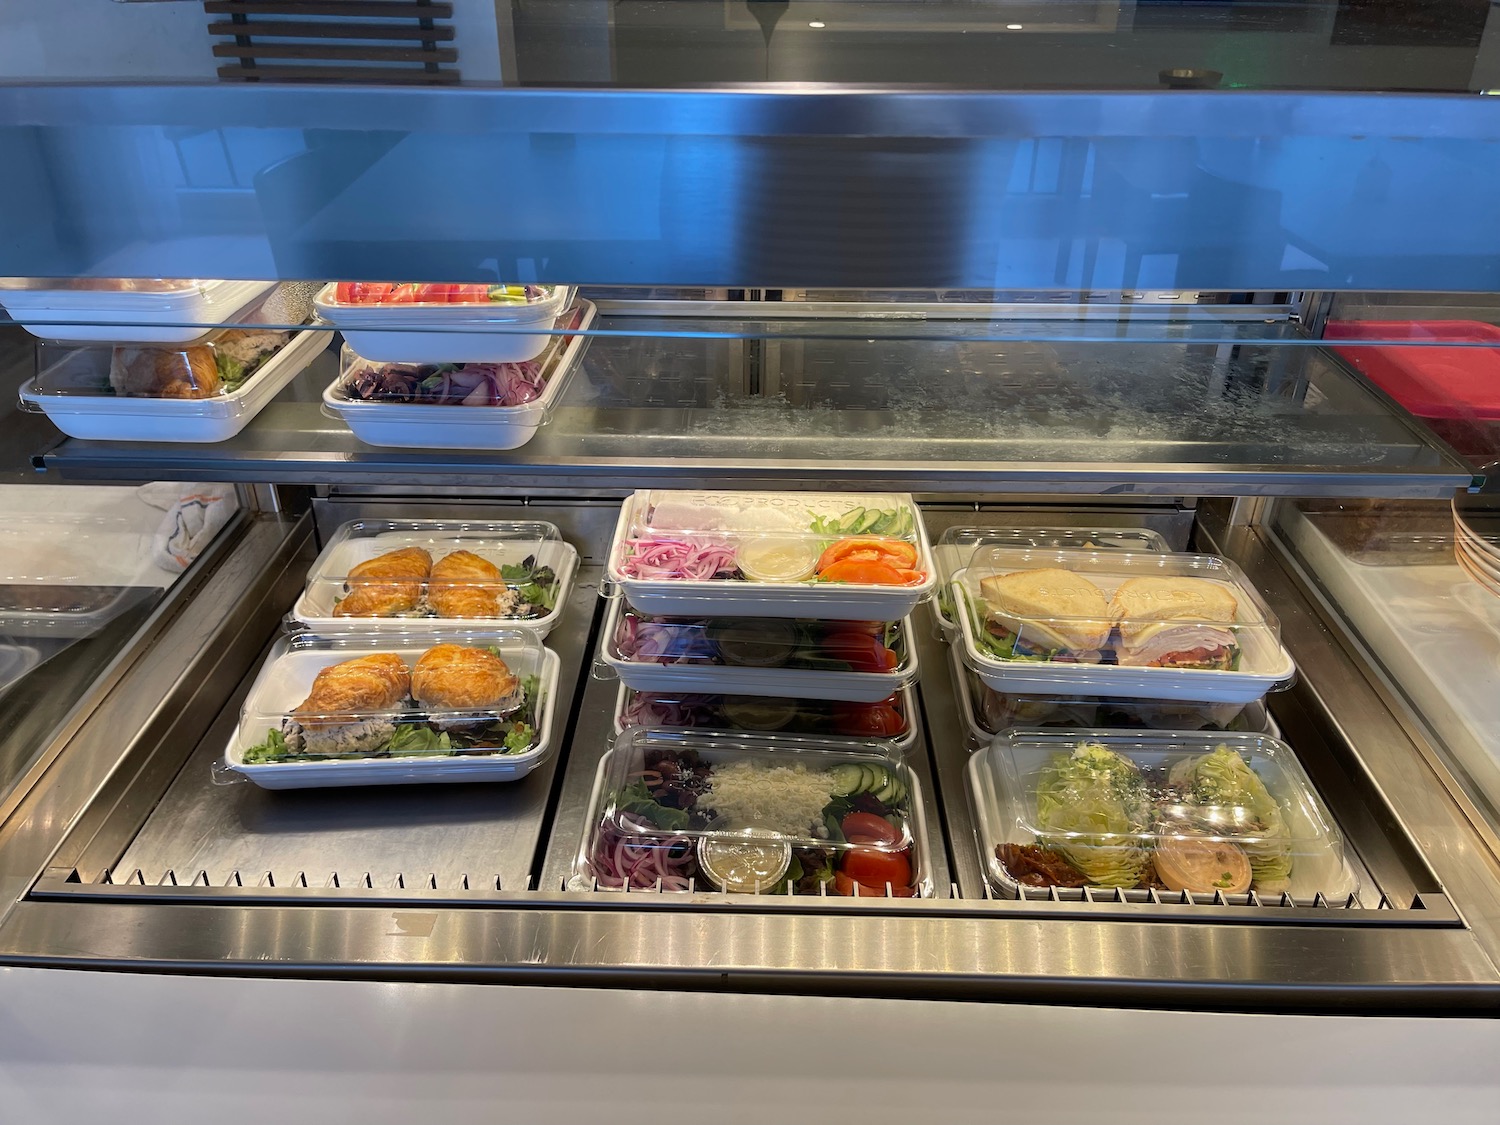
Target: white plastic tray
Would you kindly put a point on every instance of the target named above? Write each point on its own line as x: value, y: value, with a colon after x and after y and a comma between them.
x: 903, y: 744
x: 415, y: 426
x: 456, y: 333
x: 784, y: 683
x: 96, y: 315
x: 314, y: 609
x: 286, y: 677
x: 1265, y: 664
x: 122, y: 418
x: 719, y: 598
x: 1260, y: 719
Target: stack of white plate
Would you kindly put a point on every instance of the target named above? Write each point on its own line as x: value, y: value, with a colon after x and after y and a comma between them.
x: 1476, y: 542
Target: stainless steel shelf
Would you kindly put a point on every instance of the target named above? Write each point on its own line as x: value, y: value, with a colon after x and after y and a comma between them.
x: 1117, y: 417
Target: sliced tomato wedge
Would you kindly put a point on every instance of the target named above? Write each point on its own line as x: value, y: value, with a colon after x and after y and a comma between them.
x: 868, y: 572
x: 875, y: 720
x: 845, y: 886
x: 860, y: 651
x: 470, y: 295
x: 897, y: 553
x: 875, y: 867
x: 868, y: 828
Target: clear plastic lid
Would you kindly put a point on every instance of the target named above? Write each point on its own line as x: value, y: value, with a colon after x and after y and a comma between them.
x: 993, y: 712
x: 1176, y: 611
x: 890, y: 719
x: 755, y: 814
x: 99, y: 284
x: 426, y: 295
x: 1208, y: 814
x: 761, y: 642
x: 437, y: 568
x: 213, y: 369
x: 849, y: 539
x: 425, y: 693
x: 956, y: 547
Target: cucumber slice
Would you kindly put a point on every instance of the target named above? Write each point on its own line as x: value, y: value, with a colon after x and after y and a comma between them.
x: 847, y: 779
x: 882, y: 526
x: 869, y: 521
x: 849, y: 523
x: 886, y: 794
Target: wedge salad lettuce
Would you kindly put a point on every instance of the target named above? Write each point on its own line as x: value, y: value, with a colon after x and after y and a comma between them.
x: 1097, y: 803
x: 1223, y: 779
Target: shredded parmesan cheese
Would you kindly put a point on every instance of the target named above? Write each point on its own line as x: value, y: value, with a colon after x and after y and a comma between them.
x: 785, y: 799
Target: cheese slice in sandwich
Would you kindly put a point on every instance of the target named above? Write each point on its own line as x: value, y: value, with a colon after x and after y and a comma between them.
x: 1048, y: 611
x: 1168, y: 622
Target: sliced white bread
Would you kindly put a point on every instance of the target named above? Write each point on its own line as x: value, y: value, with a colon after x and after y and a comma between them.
x: 1159, y: 617
x: 1049, y: 608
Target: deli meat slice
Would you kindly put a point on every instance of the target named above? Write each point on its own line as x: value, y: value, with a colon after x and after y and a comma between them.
x: 1155, y: 646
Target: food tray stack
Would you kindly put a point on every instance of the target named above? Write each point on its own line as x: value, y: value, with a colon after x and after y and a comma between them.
x: 414, y: 397
x: 801, y: 596
x: 684, y: 811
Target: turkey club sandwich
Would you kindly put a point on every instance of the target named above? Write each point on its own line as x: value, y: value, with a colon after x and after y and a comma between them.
x: 1046, y: 614
x: 1175, y: 623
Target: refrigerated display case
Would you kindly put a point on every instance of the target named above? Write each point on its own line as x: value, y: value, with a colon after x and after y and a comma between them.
x: 1088, y: 332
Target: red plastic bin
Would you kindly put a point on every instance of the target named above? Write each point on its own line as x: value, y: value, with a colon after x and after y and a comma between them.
x: 1429, y: 380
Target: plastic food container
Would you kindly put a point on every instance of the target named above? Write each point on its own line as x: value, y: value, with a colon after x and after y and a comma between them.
x: 987, y: 712
x: 536, y: 570
x: 126, y: 310
x: 76, y: 393
x: 427, y: 332
x: 1123, y: 639
x: 957, y: 545
x: 396, y: 745
x: 763, y: 815
x: 888, y: 721
x: 1186, y: 811
x: 773, y: 656
x: 416, y: 425
x: 776, y: 554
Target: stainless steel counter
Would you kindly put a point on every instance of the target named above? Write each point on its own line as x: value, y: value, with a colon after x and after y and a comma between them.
x: 164, y: 870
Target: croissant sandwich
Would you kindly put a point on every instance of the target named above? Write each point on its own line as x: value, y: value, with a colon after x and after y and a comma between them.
x: 164, y: 373
x: 342, y: 714
x: 388, y: 585
x: 463, y: 584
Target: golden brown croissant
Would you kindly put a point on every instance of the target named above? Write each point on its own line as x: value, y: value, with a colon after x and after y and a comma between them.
x: 458, y: 678
x: 340, y: 692
x: 387, y: 585
x: 164, y: 373
x: 465, y: 585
